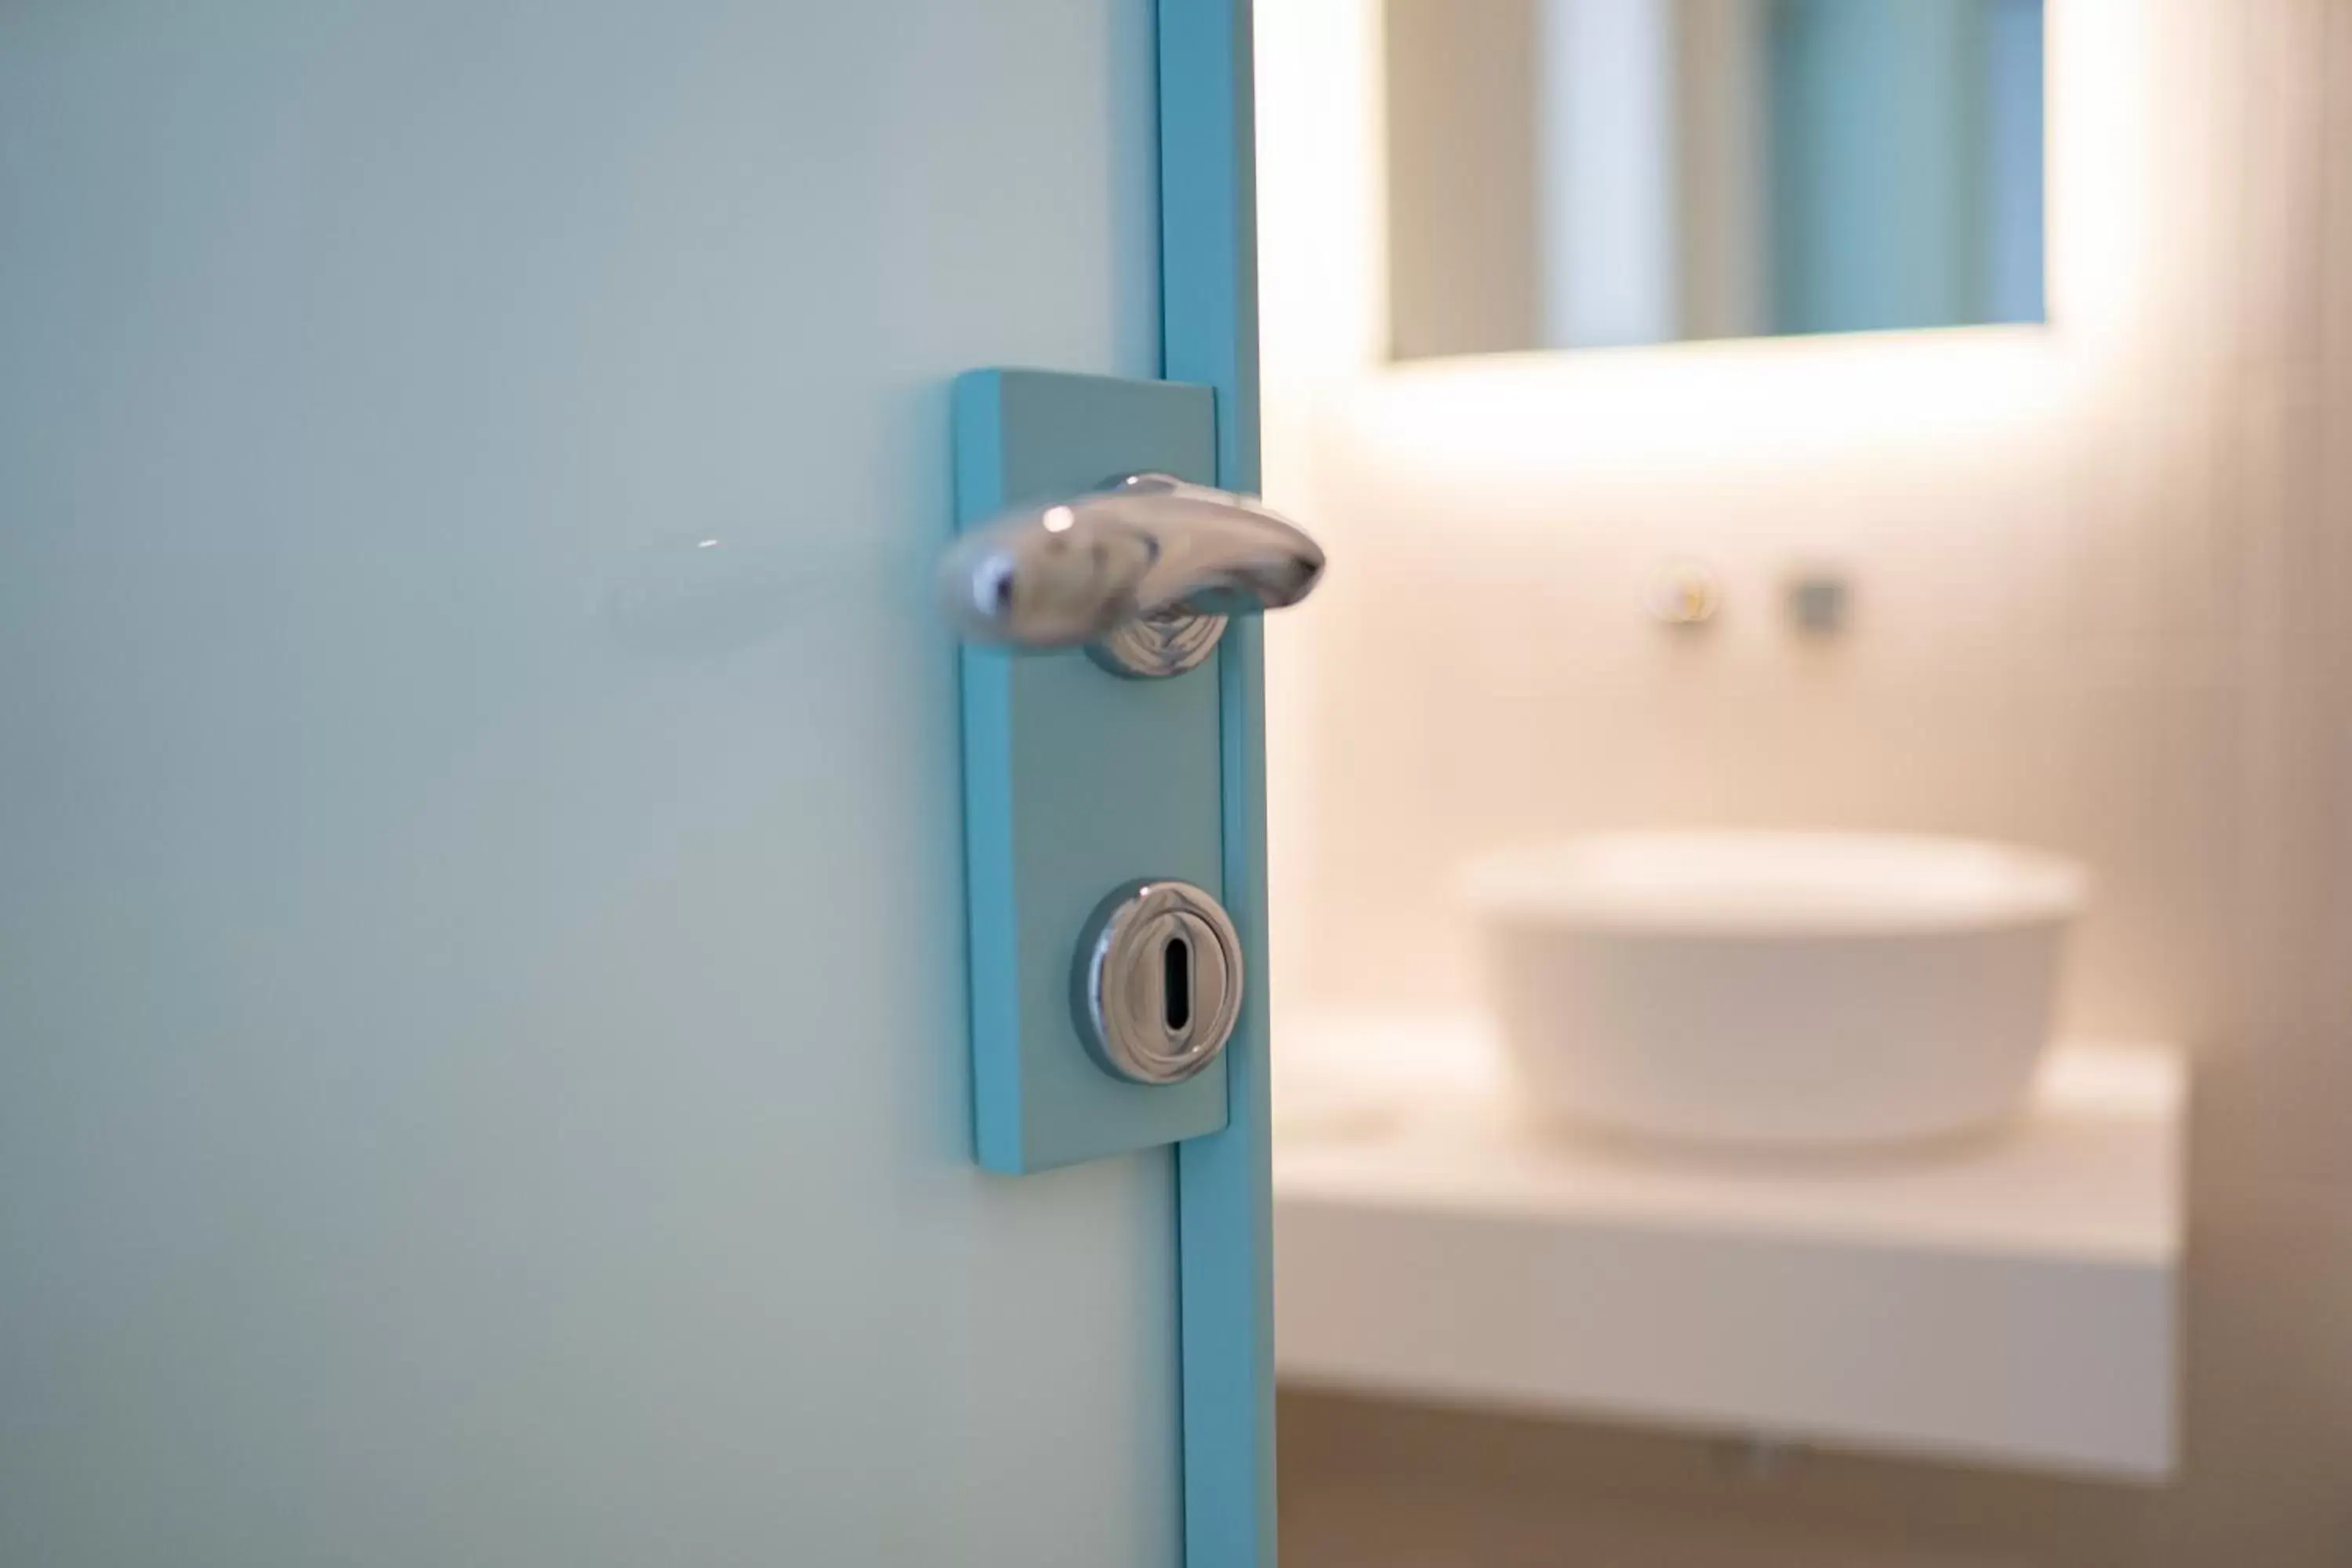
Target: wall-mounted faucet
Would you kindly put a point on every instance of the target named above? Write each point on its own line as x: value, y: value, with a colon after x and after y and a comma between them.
x: 1686, y: 592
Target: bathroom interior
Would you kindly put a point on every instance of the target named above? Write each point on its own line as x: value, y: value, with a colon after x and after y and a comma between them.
x: 1806, y: 828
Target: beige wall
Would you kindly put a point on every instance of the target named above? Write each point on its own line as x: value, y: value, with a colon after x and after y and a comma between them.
x: 1463, y: 254
x: 2104, y: 596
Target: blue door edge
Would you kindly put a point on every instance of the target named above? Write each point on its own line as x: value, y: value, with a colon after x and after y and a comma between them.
x: 1225, y: 1200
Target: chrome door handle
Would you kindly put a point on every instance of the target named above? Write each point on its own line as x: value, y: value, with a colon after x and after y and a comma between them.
x: 1142, y: 573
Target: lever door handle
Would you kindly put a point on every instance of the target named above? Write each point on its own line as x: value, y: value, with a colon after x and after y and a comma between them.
x: 1142, y: 573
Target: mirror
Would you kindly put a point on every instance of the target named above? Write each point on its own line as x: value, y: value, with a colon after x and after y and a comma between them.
x: 1584, y: 173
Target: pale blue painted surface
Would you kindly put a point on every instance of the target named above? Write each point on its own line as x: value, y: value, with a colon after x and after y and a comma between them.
x: 1907, y: 163
x: 1075, y: 780
x: 1224, y: 1184
x: 1878, y: 219
x: 480, y: 988
x: 2015, y: 128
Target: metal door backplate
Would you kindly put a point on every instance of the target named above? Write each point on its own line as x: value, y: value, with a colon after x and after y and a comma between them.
x: 1075, y: 780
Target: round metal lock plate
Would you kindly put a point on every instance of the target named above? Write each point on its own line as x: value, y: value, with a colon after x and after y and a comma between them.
x: 1157, y: 986
x: 1152, y: 648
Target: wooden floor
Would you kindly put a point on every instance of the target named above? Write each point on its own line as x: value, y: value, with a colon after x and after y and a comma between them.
x: 1374, y: 1484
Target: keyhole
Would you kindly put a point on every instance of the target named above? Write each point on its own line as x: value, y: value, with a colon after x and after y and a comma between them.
x: 1176, y: 984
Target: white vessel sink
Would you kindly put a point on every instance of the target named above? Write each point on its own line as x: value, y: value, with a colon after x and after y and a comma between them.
x: 1776, y: 989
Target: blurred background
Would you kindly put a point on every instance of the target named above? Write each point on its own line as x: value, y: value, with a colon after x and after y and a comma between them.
x: 2053, y: 569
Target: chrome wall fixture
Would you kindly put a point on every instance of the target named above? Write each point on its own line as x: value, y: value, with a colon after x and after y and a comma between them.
x: 1686, y: 592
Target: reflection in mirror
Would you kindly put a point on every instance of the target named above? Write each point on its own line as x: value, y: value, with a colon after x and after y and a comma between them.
x: 1574, y: 174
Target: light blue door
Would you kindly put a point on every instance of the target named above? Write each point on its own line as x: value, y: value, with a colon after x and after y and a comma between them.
x: 483, y: 1074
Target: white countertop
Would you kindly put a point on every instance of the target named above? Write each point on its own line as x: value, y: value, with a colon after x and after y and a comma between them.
x: 2010, y: 1300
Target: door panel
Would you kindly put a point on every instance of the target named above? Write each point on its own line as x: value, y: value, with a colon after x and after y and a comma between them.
x: 482, y: 1062
x: 1077, y: 780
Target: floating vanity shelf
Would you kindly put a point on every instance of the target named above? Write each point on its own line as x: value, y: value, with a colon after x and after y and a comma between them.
x: 2011, y: 1301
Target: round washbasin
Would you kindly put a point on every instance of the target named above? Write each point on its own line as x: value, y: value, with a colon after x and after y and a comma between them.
x: 1778, y: 989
